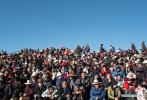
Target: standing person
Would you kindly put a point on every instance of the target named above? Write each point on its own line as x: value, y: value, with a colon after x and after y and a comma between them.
x: 97, y: 92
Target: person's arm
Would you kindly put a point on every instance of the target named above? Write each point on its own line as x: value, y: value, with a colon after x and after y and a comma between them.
x: 102, y: 94
x: 55, y: 94
x: 45, y: 93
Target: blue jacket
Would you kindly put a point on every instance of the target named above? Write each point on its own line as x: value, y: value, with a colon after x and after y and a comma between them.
x: 100, y: 93
x: 121, y: 73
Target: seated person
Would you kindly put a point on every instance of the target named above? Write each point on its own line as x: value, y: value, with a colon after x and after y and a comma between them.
x: 114, y: 92
x: 50, y: 93
x: 97, y: 92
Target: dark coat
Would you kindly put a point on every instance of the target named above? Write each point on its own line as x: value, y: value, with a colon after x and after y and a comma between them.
x: 39, y: 90
x: 8, y: 92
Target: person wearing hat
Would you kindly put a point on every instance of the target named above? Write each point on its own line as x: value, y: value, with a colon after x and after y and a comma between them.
x: 97, y: 92
x: 71, y: 79
x: 28, y: 91
x: 50, y: 93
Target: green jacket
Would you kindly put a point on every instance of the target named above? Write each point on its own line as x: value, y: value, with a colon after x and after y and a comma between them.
x: 111, y: 93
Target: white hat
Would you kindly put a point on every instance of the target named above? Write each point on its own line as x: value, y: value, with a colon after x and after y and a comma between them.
x: 58, y: 74
x: 139, y: 55
x: 145, y: 62
x: 95, y: 82
x: 28, y: 82
x: 131, y: 75
x: 137, y: 61
x: 33, y: 74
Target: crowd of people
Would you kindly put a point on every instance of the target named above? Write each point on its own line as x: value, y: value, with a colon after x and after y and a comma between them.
x: 79, y: 74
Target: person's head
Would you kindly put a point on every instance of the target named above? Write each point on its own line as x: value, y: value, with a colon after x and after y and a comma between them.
x: 144, y: 84
x: 96, y: 76
x: 108, y: 76
x: 39, y: 82
x: 6, y: 72
x: 51, y: 89
x: 83, y: 74
x: 64, y: 84
x: 28, y: 83
x: 118, y: 78
x: 96, y: 84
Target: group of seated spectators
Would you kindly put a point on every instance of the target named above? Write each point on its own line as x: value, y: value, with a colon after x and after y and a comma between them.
x: 79, y: 74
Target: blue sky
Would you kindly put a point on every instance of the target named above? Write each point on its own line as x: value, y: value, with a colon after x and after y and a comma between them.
x: 56, y: 23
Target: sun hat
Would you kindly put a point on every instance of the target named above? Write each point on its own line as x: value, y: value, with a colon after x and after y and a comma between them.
x: 71, y: 74
x: 95, y: 82
x: 28, y: 82
x: 131, y: 75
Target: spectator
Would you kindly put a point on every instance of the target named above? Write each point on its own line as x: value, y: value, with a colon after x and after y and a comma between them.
x: 8, y: 90
x: 114, y: 92
x: 78, y: 92
x: 50, y: 93
x: 39, y: 89
x: 97, y: 92
x: 64, y: 92
x: 28, y: 91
